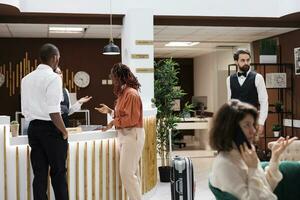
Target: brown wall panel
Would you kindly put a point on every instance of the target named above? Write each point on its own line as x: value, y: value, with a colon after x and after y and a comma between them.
x: 76, y: 55
x: 287, y: 43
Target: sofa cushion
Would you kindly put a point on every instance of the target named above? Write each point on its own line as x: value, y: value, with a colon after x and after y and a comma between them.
x: 289, y: 187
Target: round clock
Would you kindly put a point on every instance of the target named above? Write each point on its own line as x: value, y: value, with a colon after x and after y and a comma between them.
x: 2, y: 79
x: 82, y: 79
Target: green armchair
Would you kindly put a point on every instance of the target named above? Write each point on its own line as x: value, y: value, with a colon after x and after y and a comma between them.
x: 287, y: 189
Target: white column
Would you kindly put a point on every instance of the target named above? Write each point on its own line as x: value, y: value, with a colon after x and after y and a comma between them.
x: 138, y: 25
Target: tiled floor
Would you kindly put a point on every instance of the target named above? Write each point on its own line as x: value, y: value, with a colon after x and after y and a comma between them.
x: 202, y: 161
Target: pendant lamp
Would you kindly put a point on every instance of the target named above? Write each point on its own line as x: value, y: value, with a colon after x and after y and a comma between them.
x: 111, y: 48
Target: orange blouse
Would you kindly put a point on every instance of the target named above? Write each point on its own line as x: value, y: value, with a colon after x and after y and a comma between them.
x: 128, y: 110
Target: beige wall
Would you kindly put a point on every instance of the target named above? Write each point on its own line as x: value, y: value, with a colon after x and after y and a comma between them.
x: 210, y: 73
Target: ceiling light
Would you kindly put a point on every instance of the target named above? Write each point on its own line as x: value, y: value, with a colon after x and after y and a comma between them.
x: 181, y: 44
x: 60, y: 29
x: 111, y: 48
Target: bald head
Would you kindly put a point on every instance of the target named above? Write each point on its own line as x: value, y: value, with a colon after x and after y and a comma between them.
x: 49, y: 54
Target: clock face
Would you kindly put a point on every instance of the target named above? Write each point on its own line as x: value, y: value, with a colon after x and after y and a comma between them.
x: 82, y: 79
x: 2, y: 79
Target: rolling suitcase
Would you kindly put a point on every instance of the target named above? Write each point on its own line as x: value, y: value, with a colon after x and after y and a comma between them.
x: 181, y: 176
x: 182, y: 179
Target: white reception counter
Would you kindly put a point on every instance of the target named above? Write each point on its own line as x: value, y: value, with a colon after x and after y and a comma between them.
x: 92, y: 165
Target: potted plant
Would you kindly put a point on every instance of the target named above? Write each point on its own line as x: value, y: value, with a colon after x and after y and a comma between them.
x: 278, y: 106
x: 276, y: 128
x: 14, y: 128
x: 165, y: 92
x: 187, y: 109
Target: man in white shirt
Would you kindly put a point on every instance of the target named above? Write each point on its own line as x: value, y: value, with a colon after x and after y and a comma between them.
x: 248, y: 86
x: 41, y: 94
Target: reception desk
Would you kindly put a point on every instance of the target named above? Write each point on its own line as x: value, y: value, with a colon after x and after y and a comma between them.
x: 92, y: 165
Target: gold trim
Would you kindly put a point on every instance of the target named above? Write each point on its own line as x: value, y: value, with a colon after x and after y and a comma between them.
x: 17, y: 174
x: 68, y: 168
x: 67, y: 77
x: 93, y: 171
x: 139, y: 56
x: 101, y: 170
x: 13, y: 82
x: 144, y: 42
x: 28, y: 174
x: 72, y: 79
x: 17, y: 75
x: 5, y: 166
x: 85, y: 173
x: 107, y: 171
x: 144, y: 70
x: 114, y: 170
x: 77, y: 171
x: 118, y: 173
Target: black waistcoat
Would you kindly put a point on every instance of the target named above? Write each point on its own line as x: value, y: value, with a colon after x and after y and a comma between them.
x: 247, y: 92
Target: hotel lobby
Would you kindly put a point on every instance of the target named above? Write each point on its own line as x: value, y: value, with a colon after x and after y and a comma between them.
x: 198, y: 38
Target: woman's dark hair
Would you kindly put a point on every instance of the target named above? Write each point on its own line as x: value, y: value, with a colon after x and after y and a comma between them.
x: 123, y: 75
x: 225, y: 123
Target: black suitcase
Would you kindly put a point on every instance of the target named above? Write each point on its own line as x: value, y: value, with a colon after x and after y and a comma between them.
x: 182, y: 178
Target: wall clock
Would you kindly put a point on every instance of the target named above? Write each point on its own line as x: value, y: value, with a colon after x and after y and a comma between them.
x: 82, y: 79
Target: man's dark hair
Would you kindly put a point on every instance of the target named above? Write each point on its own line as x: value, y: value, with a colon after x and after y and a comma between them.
x: 226, y: 122
x: 47, y: 51
x: 237, y: 54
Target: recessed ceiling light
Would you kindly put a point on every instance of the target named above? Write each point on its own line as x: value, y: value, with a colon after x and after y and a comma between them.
x: 181, y: 44
x: 60, y: 29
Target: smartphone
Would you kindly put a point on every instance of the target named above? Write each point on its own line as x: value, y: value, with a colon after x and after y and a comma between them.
x: 240, y: 138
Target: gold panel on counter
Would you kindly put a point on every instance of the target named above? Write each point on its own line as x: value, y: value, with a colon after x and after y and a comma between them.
x: 144, y: 42
x: 139, y: 56
x: 144, y: 70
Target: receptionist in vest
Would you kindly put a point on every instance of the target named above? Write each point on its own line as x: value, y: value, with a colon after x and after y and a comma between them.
x: 66, y: 108
x: 248, y: 86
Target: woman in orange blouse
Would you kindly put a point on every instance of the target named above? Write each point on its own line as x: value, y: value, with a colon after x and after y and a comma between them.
x: 128, y: 121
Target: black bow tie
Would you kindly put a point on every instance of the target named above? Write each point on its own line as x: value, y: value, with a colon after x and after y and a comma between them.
x: 242, y: 74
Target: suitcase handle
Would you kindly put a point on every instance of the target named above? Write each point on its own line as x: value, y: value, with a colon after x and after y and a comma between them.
x: 177, y: 186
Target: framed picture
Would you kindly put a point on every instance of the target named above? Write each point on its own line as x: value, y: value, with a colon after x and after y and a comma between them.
x: 297, y: 60
x: 176, y: 105
x: 275, y: 80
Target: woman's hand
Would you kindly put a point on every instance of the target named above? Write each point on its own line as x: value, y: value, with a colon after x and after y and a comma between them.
x: 279, y: 146
x: 84, y: 99
x: 104, y: 109
x: 109, y: 126
x: 249, y: 155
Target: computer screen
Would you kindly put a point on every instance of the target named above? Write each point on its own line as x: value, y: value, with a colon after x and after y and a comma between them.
x: 199, y: 101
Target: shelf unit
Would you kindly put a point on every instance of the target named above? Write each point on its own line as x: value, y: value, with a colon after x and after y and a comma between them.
x: 284, y: 95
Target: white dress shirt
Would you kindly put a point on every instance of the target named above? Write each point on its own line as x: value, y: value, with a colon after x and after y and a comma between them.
x: 74, y: 107
x: 261, y: 91
x: 231, y: 174
x: 41, y: 93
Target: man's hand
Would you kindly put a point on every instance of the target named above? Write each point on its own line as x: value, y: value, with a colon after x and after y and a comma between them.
x: 65, y: 135
x: 109, y: 126
x: 84, y: 99
x: 104, y: 109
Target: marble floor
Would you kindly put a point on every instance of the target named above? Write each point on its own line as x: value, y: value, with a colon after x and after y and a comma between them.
x: 202, y: 161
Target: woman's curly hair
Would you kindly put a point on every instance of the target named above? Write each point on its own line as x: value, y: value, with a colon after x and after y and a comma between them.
x: 121, y: 74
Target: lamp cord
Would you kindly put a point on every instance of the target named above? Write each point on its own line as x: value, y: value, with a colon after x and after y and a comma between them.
x: 111, y: 38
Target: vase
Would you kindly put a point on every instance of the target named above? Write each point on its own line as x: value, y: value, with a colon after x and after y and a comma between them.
x: 276, y: 133
x: 14, y: 129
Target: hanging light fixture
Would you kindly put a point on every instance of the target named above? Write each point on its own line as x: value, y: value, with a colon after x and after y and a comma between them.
x: 111, y: 48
